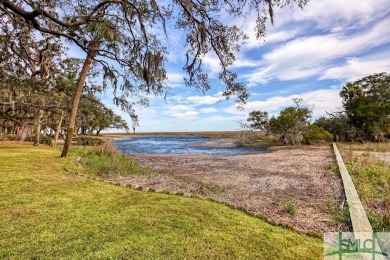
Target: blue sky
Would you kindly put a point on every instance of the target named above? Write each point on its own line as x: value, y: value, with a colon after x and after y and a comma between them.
x: 309, y: 54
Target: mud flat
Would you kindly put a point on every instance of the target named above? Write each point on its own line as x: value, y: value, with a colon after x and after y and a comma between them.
x: 302, y: 177
x: 225, y: 142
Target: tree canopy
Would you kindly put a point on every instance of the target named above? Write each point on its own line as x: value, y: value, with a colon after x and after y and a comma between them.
x: 127, y: 32
x: 367, y: 104
x: 124, y: 39
x: 366, y: 114
x: 292, y: 125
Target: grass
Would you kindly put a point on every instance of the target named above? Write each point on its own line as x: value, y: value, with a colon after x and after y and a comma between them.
x: 289, y: 207
x: 210, y: 188
x: 103, y: 161
x: 342, y: 216
x: 371, y: 177
x: 49, y: 213
x: 369, y: 146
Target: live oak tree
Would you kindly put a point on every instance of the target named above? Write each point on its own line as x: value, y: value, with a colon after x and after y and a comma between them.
x: 94, y: 116
x: 292, y: 125
x: 258, y: 120
x: 122, y: 36
x: 27, y: 72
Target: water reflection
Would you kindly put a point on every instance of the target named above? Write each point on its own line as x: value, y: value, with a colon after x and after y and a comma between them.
x: 177, y: 145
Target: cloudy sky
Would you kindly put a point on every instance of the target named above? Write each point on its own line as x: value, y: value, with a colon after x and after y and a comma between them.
x: 309, y: 54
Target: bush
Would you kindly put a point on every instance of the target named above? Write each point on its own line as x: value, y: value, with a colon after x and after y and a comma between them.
x: 317, y: 134
x: 11, y: 137
x: 45, y: 139
x: 87, y: 140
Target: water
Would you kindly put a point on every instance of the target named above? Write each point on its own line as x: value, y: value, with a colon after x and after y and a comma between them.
x: 177, y: 145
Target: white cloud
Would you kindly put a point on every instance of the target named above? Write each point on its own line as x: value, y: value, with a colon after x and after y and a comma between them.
x: 308, y: 56
x: 331, y: 13
x: 273, y: 36
x: 207, y: 110
x: 223, y: 119
x: 203, y: 100
x: 356, y: 68
x: 189, y: 115
x: 280, y: 36
x: 323, y: 100
x: 212, y: 65
x: 175, y: 79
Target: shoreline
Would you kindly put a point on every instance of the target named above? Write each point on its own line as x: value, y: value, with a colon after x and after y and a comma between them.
x: 261, y: 183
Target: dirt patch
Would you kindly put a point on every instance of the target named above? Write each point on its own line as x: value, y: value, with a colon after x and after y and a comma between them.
x: 261, y: 183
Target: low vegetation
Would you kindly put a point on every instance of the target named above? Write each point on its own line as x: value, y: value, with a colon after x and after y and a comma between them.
x: 289, y: 207
x: 250, y: 138
x: 205, y: 188
x: 371, y: 176
x: 368, y: 147
x: 49, y: 213
x: 88, y: 140
x: 103, y: 161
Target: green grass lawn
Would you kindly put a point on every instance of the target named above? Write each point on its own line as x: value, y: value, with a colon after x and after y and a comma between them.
x: 46, y: 212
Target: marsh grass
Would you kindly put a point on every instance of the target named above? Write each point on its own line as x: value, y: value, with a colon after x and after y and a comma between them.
x: 371, y: 177
x: 47, y: 213
x: 368, y: 146
x: 210, y: 188
x: 289, y: 207
x: 104, y: 161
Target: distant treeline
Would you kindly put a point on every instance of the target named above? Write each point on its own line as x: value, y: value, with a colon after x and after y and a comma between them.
x: 365, y: 116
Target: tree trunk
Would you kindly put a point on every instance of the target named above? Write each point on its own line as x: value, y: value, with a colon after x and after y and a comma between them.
x: 38, y: 129
x: 92, y: 47
x: 22, y: 132
x: 58, y: 129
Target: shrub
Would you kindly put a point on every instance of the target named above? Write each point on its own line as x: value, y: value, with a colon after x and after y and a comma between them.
x: 11, y: 137
x: 88, y: 140
x: 45, y: 139
x: 317, y: 134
